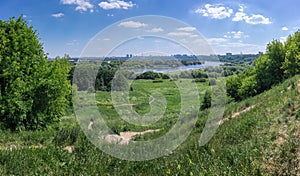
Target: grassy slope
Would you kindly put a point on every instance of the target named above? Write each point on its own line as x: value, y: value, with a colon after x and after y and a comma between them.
x: 264, y: 140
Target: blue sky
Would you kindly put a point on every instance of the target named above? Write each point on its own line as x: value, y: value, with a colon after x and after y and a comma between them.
x: 66, y: 26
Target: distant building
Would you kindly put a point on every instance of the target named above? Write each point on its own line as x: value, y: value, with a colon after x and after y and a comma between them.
x: 228, y: 54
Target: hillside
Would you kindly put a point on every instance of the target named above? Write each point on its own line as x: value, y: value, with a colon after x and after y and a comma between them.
x: 258, y: 136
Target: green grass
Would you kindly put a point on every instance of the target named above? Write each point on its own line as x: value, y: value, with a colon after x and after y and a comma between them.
x: 140, y: 96
x: 250, y: 144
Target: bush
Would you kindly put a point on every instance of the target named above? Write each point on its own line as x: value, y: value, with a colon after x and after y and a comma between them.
x: 212, y: 82
x: 206, y: 101
x: 34, y: 92
x: 158, y: 81
x: 199, y: 80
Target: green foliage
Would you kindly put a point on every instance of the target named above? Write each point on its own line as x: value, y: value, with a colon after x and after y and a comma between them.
x: 281, y: 61
x: 245, y: 145
x: 202, y: 80
x: 269, y: 66
x: 212, y: 82
x: 33, y: 89
x: 152, y: 75
x: 232, y: 84
x: 248, y: 87
x: 291, y: 63
x: 206, y: 101
x: 104, y: 79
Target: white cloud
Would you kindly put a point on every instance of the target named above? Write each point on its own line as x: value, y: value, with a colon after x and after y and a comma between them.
x: 57, y: 15
x: 179, y: 34
x: 239, y: 16
x: 110, y: 15
x: 252, y: 19
x: 82, y: 5
x: 73, y: 43
x: 194, y: 35
x: 235, y: 35
x: 283, y: 39
x: 155, y: 30
x: 187, y: 29
x: 106, y: 39
x: 132, y: 24
x: 284, y: 28
x: 216, y: 40
x: 116, y: 4
x: 257, y: 19
x: 215, y: 11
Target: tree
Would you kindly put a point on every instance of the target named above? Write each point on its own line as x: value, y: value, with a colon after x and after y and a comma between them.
x: 206, y: 101
x: 232, y: 85
x: 33, y: 90
x: 291, y: 63
x: 248, y: 87
x: 269, y: 66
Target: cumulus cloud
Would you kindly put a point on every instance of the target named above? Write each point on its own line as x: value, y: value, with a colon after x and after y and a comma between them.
x: 132, y: 24
x: 115, y: 4
x: 155, y: 30
x: 257, y: 19
x: 187, y: 29
x: 81, y: 5
x: 215, y: 11
x: 57, y: 15
x: 284, y: 28
x: 250, y: 19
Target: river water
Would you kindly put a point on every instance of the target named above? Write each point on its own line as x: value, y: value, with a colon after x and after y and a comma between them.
x: 180, y: 68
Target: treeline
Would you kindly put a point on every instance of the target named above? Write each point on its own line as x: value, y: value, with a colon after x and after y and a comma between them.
x: 281, y: 61
x: 34, y: 92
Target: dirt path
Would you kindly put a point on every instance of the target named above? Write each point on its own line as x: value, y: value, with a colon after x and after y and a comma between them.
x: 129, y: 134
x: 237, y: 114
x: 125, y: 137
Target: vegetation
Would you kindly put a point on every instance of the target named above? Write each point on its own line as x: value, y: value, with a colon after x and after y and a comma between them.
x: 261, y: 141
x: 280, y: 62
x: 258, y: 134
x: 33, y: 90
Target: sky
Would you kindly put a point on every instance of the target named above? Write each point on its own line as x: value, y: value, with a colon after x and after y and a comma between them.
x: 176, y: 26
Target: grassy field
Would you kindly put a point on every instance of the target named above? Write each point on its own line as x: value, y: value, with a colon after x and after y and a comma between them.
x: 264, y: 140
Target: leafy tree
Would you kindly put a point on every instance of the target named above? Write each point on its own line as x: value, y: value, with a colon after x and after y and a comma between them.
x: 232, y: 84
x: 269, y: 66
x: 149, y: 75
x: 291, y: 63
x: 32, y: 89
x: 248, y: 87
x: 104, y: 79
x: 212, y: 82
x: 206, y: 101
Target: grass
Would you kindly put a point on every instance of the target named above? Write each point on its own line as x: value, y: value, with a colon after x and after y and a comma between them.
x: 262, y: 141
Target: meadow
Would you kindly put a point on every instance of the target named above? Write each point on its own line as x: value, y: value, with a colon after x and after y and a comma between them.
x: 260, y: 141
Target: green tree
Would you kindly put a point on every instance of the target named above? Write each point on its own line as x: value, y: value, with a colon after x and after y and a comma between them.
x: 248, y: 87
x: 291, y: 63
x: 31, y: 87
x: 232, y: 85
x: 206, y: 101
x: 269, y: 66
